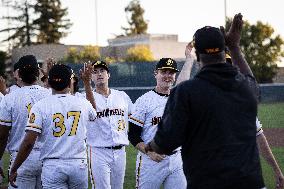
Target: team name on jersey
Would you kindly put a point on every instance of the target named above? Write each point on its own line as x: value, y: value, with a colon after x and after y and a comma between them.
x: 110, y: 112
x: 156, y: 120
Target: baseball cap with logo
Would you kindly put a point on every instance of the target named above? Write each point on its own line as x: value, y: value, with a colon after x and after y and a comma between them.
x: 167, y: 63
x: 59, y: 76
x: 27, y: 63
x: 102, y: 64
x: 209, y: 40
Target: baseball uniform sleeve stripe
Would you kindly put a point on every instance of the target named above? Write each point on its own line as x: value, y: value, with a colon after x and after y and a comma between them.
x: 33, y: 128
x: 136, y: 121
x: 5, y: 123
x: 138, y: 172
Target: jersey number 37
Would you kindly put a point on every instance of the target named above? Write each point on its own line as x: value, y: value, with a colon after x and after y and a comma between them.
x: 59, y: 124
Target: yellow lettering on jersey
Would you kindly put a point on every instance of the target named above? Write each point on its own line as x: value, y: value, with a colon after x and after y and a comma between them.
x: 58, y: 119
x: 29, y: 107
x: 121, y: 125
x: 76, y: 116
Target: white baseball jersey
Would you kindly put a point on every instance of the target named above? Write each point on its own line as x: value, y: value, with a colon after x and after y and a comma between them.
x: 1, y: 96
x: 13, y: 88
x: 61, y: 122
x: 258, y: 127
x: 14, y: 112
x: 148, y: 112
x: 111, y: 125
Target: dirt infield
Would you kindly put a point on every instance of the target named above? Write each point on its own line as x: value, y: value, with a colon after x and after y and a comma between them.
x: 275, y: 136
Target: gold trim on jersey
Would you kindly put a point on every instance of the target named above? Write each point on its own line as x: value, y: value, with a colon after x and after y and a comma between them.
x: 90, y: 164
x: 34, y: 126
x: 138, y: 121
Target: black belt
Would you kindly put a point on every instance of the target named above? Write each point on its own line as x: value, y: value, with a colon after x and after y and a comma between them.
x: 114, y: 147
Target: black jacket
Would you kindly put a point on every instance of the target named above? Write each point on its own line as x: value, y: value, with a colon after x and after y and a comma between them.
x: 213, y: 118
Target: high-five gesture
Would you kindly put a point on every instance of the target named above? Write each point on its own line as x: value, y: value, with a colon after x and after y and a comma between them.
x: 232, y: 39
x: 86, y: 76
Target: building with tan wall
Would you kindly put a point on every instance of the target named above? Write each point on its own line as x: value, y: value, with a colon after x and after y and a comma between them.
x: 161, y: 45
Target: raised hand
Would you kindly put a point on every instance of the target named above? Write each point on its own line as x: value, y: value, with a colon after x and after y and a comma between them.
x: 86, y: 73
x: 49, y: 63
x: 188, y: 51
x: 233, y: 37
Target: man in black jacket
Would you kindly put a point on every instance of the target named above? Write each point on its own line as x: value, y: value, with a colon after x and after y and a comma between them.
x: 213, y: 117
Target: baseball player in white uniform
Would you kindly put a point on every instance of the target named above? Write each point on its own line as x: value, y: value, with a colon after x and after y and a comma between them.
x: 59, y: 122
x: 14, y: 113
x: 154, y: 170
x: 107, y: 135
x: 266, y: 152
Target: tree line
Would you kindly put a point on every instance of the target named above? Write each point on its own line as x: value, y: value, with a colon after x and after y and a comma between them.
x: 45, y: 21
x: 35, y: 22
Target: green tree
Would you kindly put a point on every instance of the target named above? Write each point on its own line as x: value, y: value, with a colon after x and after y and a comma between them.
x: 21, y: 29
x: 262, y: 49
x: 88, y: 53
x: 73, y: 55
x: 51, y: 23
x: 137, y: 24
x: 3, y: 57
x: 139, y: 53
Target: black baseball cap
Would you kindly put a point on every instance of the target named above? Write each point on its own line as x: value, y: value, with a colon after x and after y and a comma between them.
x: 167, y: 63
x: 28, y: 69
x: 102, y: 64
x: 209, y: 40
x: 59, y: 76
x: 27, y: 63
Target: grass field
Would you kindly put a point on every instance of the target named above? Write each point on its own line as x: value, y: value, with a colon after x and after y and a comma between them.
x: 271, y: 115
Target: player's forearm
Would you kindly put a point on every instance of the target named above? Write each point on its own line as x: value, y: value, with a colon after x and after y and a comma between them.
x: 24, y: 152
x: 3, y: 144
x: 186, y: 70
x: 267, y: 153
x: 239, y: 60
x: 25, y: 149
x: 89, y: 94
x: 4, y: 134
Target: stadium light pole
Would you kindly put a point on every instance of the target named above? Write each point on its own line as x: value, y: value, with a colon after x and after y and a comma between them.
x: 225, y: 9
x: 96, y: 15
